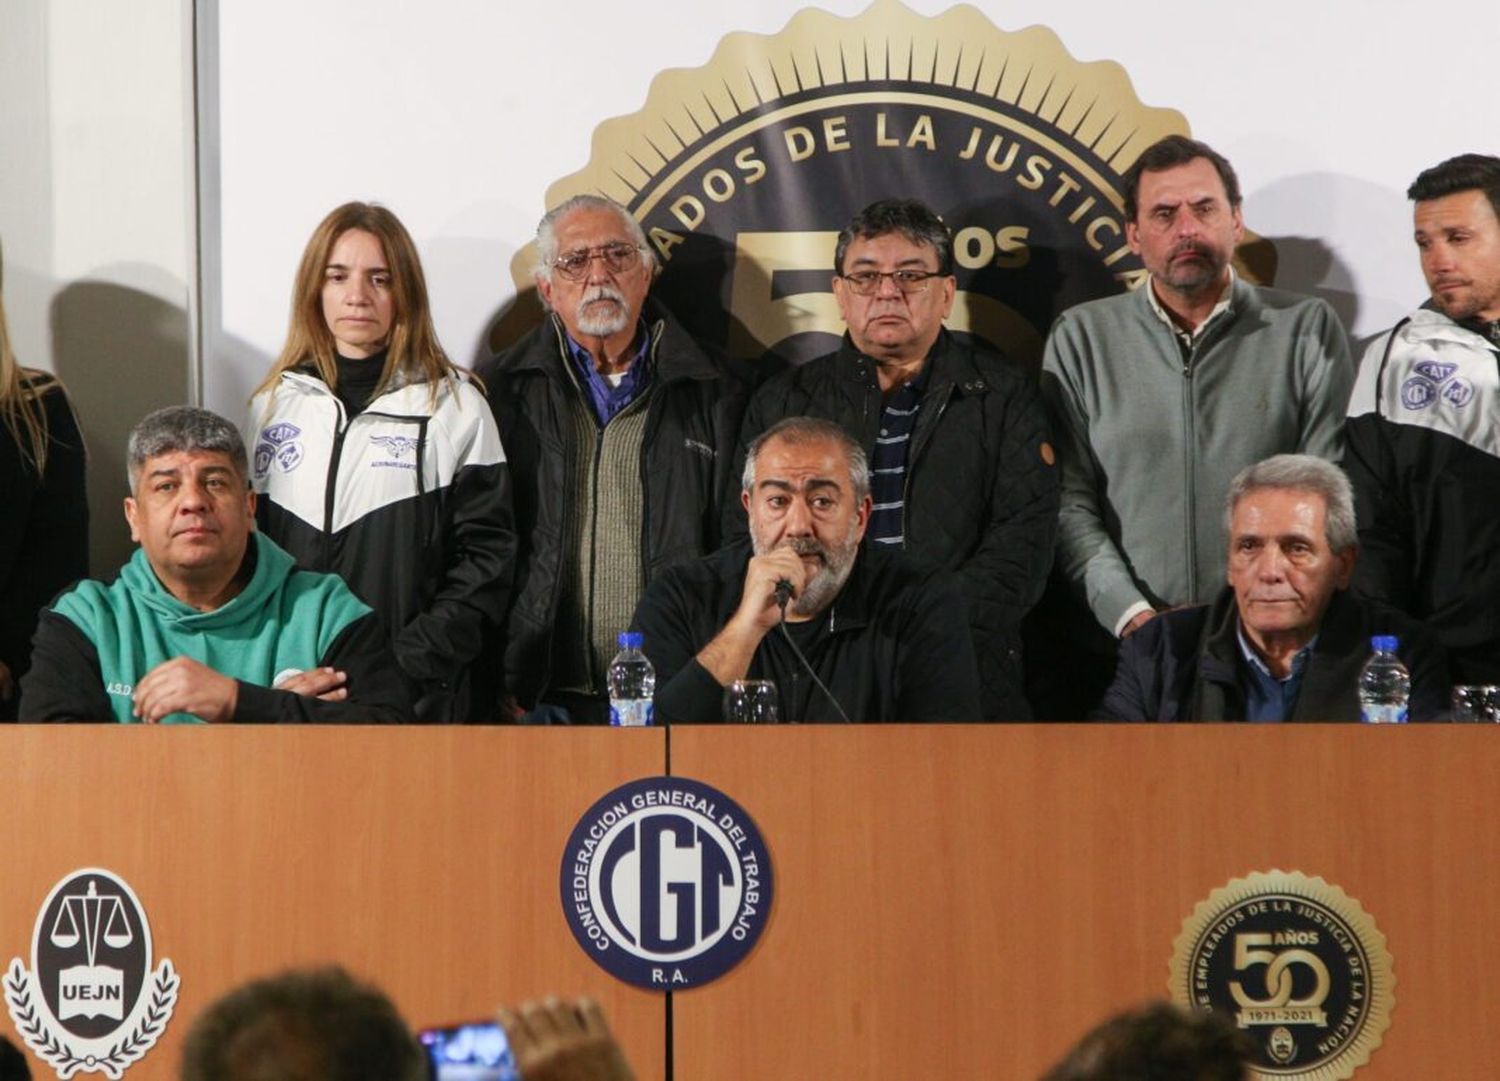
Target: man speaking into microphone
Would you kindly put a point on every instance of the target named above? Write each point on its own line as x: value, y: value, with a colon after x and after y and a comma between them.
x: 845, y: 632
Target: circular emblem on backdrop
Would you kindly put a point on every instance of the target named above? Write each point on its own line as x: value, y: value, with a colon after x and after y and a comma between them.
x: 743, y: 171
x: 91, y: 1001
x: 1295, y: 962
x: 666, y: 883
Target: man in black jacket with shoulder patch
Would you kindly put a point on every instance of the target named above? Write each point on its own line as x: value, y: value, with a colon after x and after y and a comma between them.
x: 962, y: 473
x: 1285, y: 640
x: 1422, y: 444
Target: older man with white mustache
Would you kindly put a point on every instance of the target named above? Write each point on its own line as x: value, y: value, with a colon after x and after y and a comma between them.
x: 620, y: 432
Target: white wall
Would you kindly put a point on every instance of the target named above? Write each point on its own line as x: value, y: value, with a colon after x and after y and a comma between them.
x: 459, y: 115
x: 95, y: 138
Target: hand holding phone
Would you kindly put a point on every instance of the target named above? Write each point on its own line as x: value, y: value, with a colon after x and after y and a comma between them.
x: 564, y: 1041
x: 476, y: 1051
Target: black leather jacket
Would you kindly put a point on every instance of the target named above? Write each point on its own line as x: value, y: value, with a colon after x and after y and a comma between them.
x: 693, y: 417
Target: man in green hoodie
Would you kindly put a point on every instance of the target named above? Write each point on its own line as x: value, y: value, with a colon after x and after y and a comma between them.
x: 209, y: 621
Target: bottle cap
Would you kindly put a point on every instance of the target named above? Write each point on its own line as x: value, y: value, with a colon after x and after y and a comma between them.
x: 630, y: 639
x: 1384, y: 643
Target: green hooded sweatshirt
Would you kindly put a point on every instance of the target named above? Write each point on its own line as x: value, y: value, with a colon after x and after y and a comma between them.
x: 284, y: 621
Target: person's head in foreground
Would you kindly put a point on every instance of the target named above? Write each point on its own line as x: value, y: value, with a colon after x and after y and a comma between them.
x: 1159, y: 1042
x: 313, y: 1025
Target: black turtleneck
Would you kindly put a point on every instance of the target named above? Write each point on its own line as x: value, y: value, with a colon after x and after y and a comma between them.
x: 357, y: 379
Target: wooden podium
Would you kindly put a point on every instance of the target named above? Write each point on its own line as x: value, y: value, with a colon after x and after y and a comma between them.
x: 951, y: 901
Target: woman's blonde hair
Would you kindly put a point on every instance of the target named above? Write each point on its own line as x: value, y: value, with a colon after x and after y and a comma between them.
x: 19, y: 409
x: 413, y: 355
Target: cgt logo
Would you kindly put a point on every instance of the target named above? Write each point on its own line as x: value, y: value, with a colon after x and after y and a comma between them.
x: 666, y: 883
x: 91, y: 1001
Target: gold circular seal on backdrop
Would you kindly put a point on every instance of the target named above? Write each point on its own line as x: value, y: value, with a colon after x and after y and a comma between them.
x: 1298, y: 964
x: 742, y: 172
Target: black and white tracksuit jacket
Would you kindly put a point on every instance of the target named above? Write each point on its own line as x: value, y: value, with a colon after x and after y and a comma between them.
x: 409, y: 502
x: 1422, y: 449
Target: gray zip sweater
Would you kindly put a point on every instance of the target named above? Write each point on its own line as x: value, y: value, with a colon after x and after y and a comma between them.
x: 1151, y: 432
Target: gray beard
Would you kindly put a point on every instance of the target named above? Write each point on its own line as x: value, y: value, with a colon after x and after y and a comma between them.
x: 818, y: 593
x: 602, y: 320
x: 1192, y: 280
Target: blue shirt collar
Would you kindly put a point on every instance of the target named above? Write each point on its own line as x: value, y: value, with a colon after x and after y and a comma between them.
x: 1269, y: 697
x: 606, y: 398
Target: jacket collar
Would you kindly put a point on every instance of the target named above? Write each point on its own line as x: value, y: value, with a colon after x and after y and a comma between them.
x: 950, y: 366
x: 306, y: 377
x: 1428, y: 324
x: 1338, y: 641
x: 674, y: 354
x: 271, y: 567
x: 1219, y: 646
x: 1244, y: 300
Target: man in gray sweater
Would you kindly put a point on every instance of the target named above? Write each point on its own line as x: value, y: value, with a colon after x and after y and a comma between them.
x: 1161, y: 396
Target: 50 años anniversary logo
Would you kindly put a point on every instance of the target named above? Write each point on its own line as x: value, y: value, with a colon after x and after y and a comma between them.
x: 743, y: 171
x: 1295, y: 962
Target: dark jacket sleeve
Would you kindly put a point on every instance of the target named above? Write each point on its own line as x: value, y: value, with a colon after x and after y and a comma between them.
x: 1427, y: 663
x: 44, y: 542
x: 65, y: 682
x: 1008, y: 571
x: 1135, y: 694
x: 734, y: 395
x: 1383, y: 570
x: 379, y: 692
x: 479, y: 556
x: 939, y: 678
x: 685, y: 691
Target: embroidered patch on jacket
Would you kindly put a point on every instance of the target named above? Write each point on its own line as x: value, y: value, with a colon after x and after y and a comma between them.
x: 1418, y: 392
x: 1434, y: 380
x: 396, y: 447
x: 278, y: 444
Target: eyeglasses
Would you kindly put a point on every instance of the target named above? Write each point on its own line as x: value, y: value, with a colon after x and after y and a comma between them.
x: 866, y: 282
x: 618, y: 258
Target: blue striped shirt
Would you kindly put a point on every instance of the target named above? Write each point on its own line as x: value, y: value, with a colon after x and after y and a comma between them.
x: 889, y: 459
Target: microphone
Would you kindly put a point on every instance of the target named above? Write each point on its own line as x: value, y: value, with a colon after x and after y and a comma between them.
x: 783, y: 595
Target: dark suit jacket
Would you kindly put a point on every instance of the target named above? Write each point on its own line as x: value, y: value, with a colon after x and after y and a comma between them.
x: 1185, y: 665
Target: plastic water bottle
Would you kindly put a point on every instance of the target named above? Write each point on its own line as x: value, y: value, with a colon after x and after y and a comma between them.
x: 1384, y: 684
x: 632, y: 682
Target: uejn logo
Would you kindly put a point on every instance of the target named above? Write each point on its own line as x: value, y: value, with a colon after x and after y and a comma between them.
x: 666, y: 883
x: 91, y: 1001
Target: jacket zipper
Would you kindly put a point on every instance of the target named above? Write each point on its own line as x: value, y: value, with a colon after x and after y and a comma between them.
x: 911, y: 459
x: 1191, y: 435
x: 330, y: 485
x: 653, y: 421
x: 594, y: 508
